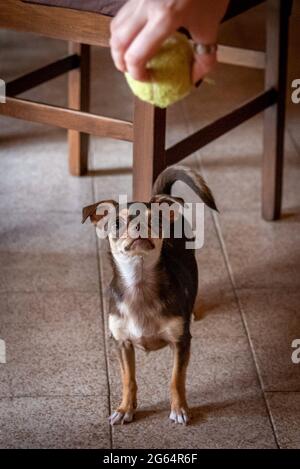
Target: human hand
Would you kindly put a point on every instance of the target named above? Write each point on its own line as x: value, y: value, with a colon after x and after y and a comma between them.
x: 141, y: 26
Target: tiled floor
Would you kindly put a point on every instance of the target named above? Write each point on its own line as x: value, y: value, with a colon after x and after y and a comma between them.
x: 61, y: 378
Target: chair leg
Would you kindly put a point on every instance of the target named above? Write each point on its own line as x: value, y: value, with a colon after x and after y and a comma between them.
x: 274, y: 117
x: 149, y: 156
x: 79, y: 97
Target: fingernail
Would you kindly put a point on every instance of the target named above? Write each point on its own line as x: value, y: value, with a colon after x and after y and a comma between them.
x: 198, y: 83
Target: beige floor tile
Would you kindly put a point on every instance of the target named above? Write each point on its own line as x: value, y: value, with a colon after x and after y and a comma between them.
x: 273, y: 322
x: 71, y: 422
x: 47, y: 251
x: 285, y: 410
x: 34, y: 162
x: 54, y: 344
x: 5, y: 389
x: 262, y: 254
x: 13, y: 59
x: 110, y: 93
x: 111, y: 163
x: 216, y: 424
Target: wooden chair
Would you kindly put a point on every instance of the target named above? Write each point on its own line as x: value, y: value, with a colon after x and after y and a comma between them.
x: 72, y: 22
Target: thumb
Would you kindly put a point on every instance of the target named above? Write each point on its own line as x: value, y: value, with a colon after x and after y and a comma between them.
x: 202, y: 65
x: 203, y: 62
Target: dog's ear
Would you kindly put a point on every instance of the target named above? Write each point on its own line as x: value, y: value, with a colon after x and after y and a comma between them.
x: 172, y: 215
x: 104, y: 207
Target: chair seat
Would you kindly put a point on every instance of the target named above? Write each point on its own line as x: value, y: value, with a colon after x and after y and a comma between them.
x: 111, y: 7
x: 104, y: 7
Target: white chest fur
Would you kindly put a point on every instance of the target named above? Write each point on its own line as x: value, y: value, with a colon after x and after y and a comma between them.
x: 161, y: 331
x: 140, y: 320
x: 135, y: 270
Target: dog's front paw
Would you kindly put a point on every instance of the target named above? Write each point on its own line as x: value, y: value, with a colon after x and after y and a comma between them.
x: 121, y: 416
x: 179, y: 414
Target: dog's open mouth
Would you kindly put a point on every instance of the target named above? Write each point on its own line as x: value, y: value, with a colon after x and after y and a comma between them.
x: 140, y: 243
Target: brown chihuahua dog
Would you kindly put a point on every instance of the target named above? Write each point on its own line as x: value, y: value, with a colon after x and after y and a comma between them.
x: 154, y: 283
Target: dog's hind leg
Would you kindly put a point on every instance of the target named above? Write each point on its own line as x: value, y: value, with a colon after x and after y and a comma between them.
x: 179, y: 408
x: 126, y: 409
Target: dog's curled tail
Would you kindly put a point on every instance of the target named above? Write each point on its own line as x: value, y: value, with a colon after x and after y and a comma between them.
x: 193, y: 179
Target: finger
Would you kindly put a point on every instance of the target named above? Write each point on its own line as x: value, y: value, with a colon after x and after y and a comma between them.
x: 203, y: 63
x: 124, y: 27
x: 127, y: 9
x: 145, y: 46
x: 121, y: 40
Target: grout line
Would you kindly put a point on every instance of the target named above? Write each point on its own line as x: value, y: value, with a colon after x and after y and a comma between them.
x: 198, y: 163
x: 244, y: 322
x: 50, y: 210
x: 84, y: 396
x: 99, y: 267
x: 288, y: 288
x: 71, y: 291
x: 282, y: 391
x: 48, y: 396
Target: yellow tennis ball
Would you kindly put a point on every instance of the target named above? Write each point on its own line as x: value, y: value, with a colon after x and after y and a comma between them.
x: 170, y: 73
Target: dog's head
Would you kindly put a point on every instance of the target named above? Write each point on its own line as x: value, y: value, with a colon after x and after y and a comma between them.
x: 135, y: 229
